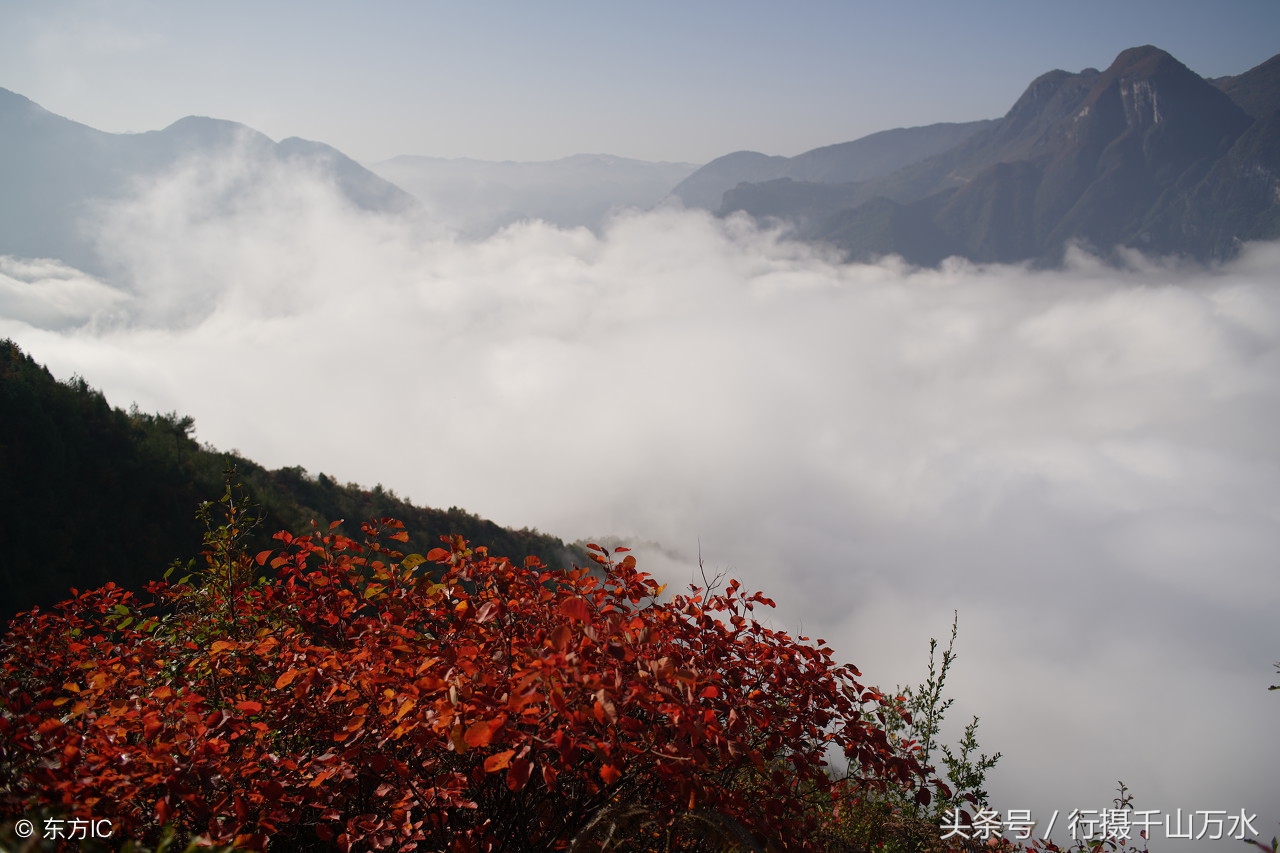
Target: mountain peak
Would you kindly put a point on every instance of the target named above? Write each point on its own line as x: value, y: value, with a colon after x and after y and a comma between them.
x: 1152, y: 87
x: 206, y: 128
x: 54, y: 169
x: 1144, y: 57
x: 1146, y: 153
x: 1049, y: 87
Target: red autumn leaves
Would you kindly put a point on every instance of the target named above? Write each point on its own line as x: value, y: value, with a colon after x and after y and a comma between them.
x: 456, y: 702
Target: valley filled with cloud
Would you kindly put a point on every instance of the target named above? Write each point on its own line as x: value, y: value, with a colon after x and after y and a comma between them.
x: 1080, y: 461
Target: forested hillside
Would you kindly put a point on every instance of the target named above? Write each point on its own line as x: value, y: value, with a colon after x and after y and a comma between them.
x: 90, y: 493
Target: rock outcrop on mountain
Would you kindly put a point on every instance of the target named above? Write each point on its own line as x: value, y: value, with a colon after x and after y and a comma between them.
x: 1146, y: 154
x: 57, y: 174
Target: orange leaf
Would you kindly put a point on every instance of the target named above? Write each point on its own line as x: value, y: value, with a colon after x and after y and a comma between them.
x: 560, y: 637
x: 286, y: 679
x: 480, y: 734
x: 438, y: 555
x: 605, y: 708
x: 609, y: 773
x: 500, y: 761
x: 575, y: 608
x: 249, y: 707
x: 549, y: 774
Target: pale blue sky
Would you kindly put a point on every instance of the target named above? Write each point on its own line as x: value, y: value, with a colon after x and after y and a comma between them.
x: 653, y: 80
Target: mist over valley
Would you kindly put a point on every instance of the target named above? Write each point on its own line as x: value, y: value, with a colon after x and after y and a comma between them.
x: 1024, y: 368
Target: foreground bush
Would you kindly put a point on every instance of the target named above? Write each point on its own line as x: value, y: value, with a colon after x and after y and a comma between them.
x: 365, y: 699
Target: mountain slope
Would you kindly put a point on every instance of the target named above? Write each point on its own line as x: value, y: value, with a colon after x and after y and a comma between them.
x: 869, y: 157
x: 91, y: 494
x: 1257, y: 91
x: 57, y: 173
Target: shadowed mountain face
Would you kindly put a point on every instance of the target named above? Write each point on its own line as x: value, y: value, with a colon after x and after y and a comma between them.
x: 862, y: 159
x: 58, y: 173
x: 1145, y: 154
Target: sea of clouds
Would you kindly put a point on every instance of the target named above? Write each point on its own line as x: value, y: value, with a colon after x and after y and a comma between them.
x: 1082, y: 463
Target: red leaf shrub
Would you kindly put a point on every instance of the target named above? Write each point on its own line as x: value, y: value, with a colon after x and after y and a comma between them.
x: 377, y: 701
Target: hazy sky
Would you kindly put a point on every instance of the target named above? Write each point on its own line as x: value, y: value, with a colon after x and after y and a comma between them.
x: 528, y: 81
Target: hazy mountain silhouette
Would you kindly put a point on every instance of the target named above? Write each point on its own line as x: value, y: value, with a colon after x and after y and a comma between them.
x: 1144, y: 154
x: 57, y: 173
x: 862, y: 159
x: 480, y: 196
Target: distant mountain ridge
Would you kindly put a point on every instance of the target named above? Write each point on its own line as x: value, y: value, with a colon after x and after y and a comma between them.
x: 55, y: 171
x: 478, y: 197
x: 868, y: 157
x: 1145, y: 154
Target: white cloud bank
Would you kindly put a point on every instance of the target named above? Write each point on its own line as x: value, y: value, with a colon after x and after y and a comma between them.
x: 51, y: 295
x: 1083, y: 463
